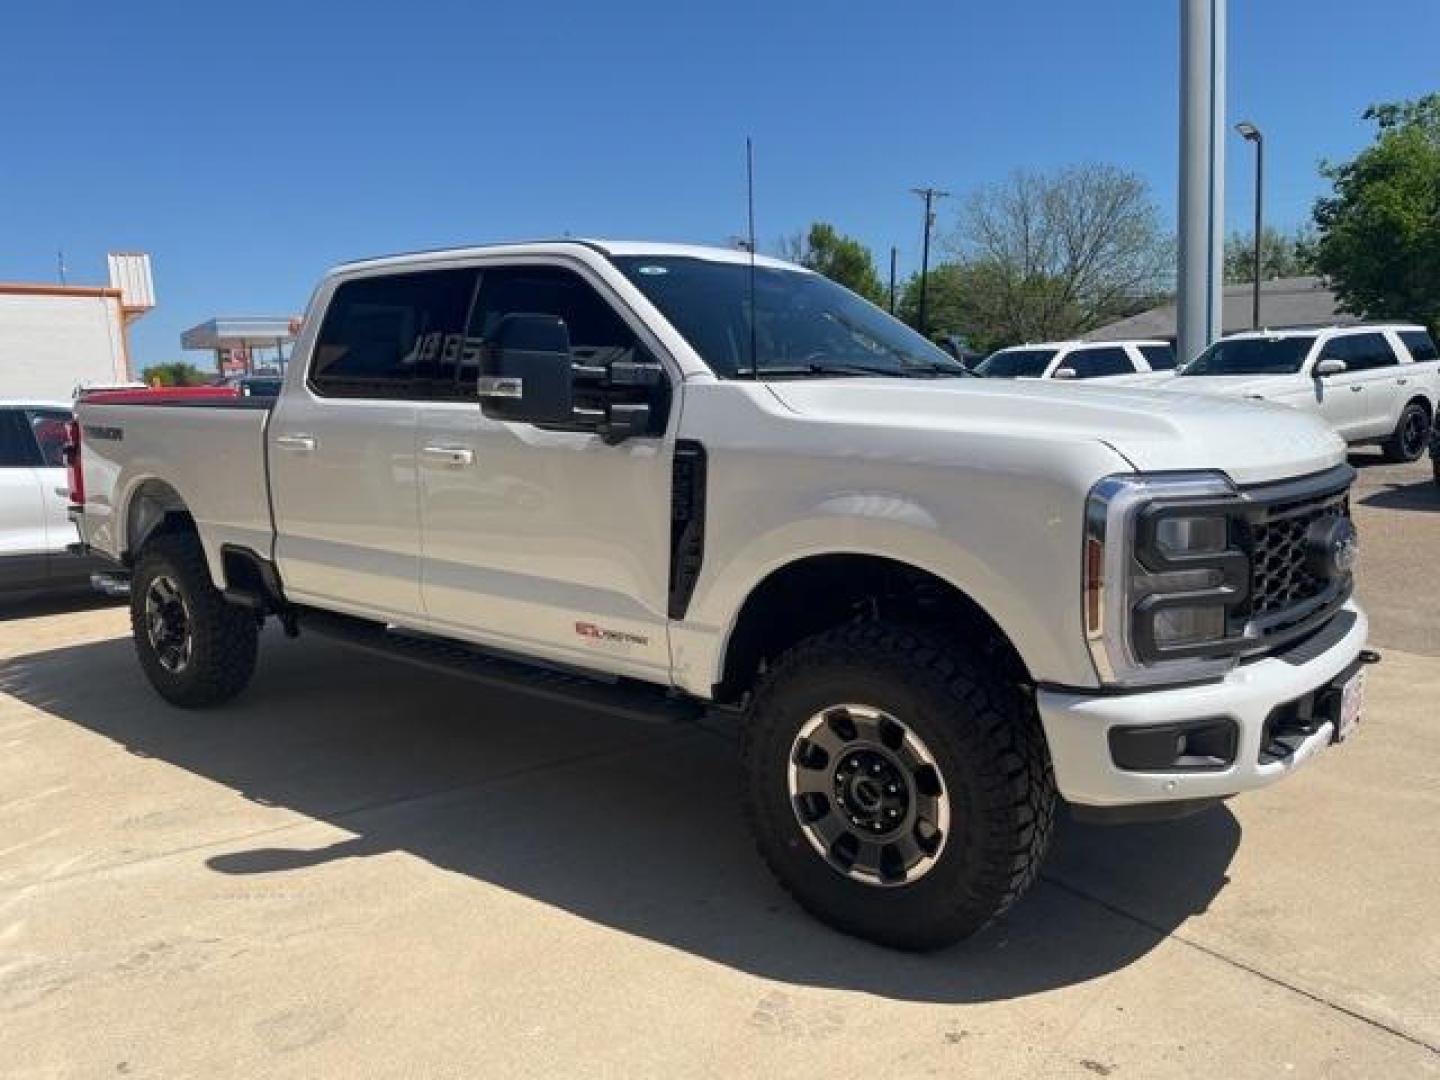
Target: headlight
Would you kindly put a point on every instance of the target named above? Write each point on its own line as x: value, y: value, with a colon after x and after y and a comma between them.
x: 1165, y: 578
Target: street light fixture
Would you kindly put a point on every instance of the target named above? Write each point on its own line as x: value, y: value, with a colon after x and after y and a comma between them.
x: 1250, y: 133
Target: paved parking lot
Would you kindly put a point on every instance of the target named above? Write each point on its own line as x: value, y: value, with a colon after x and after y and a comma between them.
x: 362, y: 870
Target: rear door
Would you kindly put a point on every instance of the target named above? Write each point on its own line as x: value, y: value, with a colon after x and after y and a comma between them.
x: 23, y: 540
x: 342, y: 454
x: 545, y: 541
x: 47, y: 428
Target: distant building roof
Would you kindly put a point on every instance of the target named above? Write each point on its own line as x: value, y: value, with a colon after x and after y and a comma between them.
x: 1296, y: 301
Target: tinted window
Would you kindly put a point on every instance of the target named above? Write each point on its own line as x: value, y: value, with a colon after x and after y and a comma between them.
x: 804, y: 323
x: 1251, y: 356
x: 1016, y: 363
x: 1421, y: 347
x: 48, y: 429
x: 1095, y: 363
x: 383, y: 337
x: 597, y: 333
x: 17, y: 445
x: 1361, y: 352
x: 1159, y: 357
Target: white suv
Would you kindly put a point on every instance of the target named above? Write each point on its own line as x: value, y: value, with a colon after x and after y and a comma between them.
x: 35, y: 528
x: 1373, y: 383
x: 1078, y: 360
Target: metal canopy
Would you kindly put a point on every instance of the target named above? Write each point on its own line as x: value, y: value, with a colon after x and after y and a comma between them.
x: 238, y: 332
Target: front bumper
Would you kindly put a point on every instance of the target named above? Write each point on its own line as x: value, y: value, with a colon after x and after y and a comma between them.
x: 1077, y: 725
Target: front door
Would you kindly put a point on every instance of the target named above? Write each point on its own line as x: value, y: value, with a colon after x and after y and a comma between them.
x: 547, y: 542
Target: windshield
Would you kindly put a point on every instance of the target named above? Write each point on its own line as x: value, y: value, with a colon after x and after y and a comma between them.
x: 1016, y: 363
x: 806, y: 324
x: 1251, y: 356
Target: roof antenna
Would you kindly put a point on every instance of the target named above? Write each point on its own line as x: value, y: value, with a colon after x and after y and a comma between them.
x: 750, y: 212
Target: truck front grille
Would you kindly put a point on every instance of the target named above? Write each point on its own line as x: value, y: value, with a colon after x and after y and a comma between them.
x: 1279, y: 576
x: 1287, y: 598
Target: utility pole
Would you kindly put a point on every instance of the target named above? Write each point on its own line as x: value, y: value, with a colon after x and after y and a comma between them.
x: 892, y: 279
x: 1202, y: 174
x: 929, y: 194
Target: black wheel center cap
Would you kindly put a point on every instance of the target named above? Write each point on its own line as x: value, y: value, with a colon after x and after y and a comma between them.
x: 872, y: 790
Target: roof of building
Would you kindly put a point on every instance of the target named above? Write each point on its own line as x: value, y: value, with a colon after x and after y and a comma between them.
x: 1283, y: 302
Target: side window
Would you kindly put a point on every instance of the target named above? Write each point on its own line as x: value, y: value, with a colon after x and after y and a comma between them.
x: 17, y: 445
x: 1421, y: 347
x: 385, y: 337
x: 1094, y: 363
x: 1362, y: 352
x: 598, y: 335
x: 1159, y: 357
x: 48, y: 429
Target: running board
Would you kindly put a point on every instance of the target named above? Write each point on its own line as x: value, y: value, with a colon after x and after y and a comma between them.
x: 626, y: 698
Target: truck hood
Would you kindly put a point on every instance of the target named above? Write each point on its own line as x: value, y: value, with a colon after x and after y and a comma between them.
x: 1154, y: 430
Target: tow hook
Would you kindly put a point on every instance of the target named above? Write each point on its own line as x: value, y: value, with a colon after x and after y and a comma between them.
x: 1369, y: 656
x: 111, y: 584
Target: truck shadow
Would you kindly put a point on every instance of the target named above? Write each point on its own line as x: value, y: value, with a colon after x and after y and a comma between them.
x: 630, y: 825
x: 1424, y: 495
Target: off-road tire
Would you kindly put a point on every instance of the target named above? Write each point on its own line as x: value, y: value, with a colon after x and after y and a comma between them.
x: 986, y: 739
x: 224, y: 637
x: 1396, y: 448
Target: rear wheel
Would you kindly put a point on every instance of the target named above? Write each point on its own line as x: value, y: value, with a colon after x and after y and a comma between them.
x: 195, y: 648
x: 898, y: 792
x: 1411, y: 434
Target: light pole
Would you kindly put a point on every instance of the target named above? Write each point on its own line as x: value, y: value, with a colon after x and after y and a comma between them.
x: 1250, y: 133
x: 929, y: 194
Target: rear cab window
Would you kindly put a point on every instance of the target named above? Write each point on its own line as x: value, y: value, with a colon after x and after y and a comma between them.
x: 17, y: 444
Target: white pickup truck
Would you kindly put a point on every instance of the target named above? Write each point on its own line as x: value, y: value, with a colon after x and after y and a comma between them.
x: 657, y: 477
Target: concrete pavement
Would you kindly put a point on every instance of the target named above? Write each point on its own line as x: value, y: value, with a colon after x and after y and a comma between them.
x: 363, y: 870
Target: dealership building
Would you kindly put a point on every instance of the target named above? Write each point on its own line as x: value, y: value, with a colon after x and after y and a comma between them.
x: 55, y: 338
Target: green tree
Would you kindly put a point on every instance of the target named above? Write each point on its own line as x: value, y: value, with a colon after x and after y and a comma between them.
x: 1281, y: 255
x: 178, y: 373
x: 1054, y: 255
x: 1379, y: 232
x: 841, y: 258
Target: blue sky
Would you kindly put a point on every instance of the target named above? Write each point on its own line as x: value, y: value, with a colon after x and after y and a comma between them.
x: 248, y: 146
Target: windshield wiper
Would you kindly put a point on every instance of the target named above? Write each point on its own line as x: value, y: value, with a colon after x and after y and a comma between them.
x: 802, y: 371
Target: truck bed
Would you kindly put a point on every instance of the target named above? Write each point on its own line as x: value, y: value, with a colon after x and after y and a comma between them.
x: 208, y: 451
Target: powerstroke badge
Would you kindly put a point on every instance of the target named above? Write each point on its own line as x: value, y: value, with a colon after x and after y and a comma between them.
x: 616, y: 637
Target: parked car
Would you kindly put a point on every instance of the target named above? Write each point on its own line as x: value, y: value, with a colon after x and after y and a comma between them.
x: 1377, y: 383
x: 1078, y: 360
x: 931, y: 602
x: 1435, y: 451
x: 35, y: 529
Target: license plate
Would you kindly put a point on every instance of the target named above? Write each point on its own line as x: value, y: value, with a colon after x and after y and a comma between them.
x: 1352, y: 699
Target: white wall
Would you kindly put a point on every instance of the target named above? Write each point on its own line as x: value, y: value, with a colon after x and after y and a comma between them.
x: 51, y: 342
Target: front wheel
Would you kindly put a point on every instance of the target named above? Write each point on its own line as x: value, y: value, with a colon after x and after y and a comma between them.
x: 898, y: 791
x: 1411, y: 434
x: 195, y: 648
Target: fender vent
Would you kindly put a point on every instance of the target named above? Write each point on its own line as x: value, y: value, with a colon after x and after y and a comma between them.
x: 687, y: 523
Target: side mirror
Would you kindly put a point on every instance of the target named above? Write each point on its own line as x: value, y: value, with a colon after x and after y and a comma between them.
x: 1064, y: 373
x: 1330, y: 365
x: 528, y: 373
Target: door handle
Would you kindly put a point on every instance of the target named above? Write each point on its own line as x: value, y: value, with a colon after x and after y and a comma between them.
x: 449, y: 455
x: 1356, y: 389
x: 296, y: 442
x: 1402, y: 382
